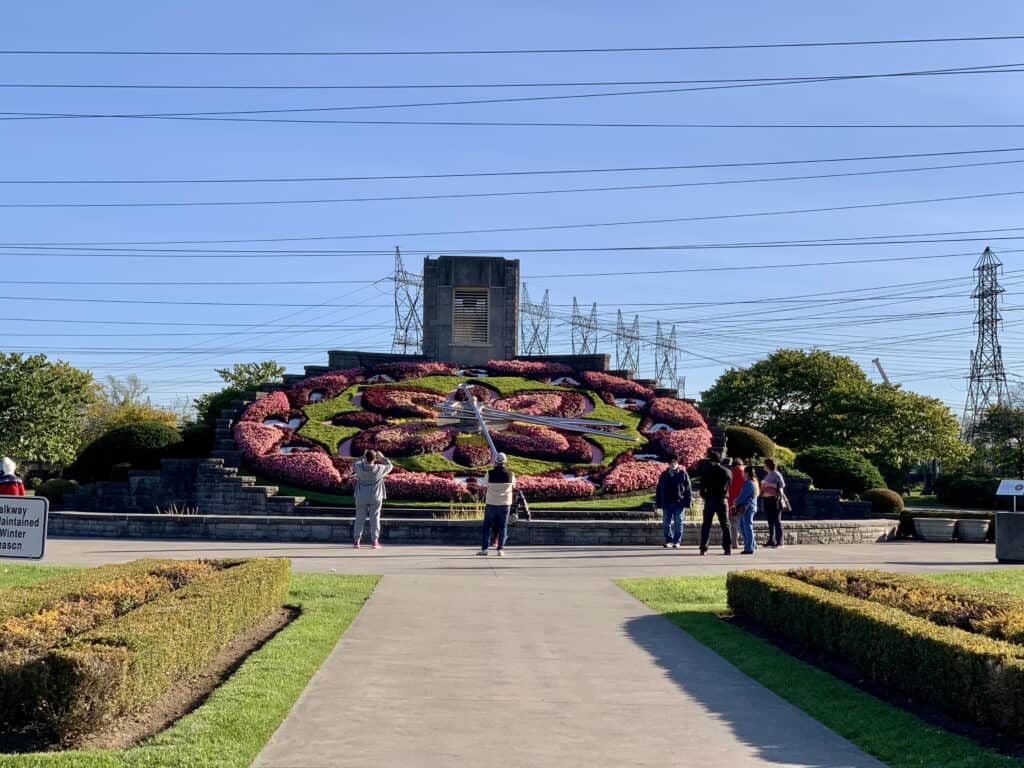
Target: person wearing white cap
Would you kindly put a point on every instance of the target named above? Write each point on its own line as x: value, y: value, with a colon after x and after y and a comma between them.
x: 501, y: 484
x: 10, y: 483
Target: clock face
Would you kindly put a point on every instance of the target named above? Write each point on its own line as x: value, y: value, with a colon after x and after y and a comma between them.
x: 568, y: 434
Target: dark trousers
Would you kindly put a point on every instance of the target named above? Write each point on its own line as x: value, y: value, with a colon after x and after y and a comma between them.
x: 773, y: 515
x: 496, y: 521
x: 713, y: 507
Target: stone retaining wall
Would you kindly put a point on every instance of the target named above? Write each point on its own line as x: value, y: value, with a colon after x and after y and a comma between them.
x: 461, y: 532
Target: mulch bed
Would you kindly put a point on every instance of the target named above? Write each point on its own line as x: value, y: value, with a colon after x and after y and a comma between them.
x: 987, y: 737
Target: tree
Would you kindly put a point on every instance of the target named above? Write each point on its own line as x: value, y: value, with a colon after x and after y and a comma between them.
x: 43, y: 406
x: 123, y: 402
x: 240, y: 378
x: 801, y: 399
x: 1000, y: 441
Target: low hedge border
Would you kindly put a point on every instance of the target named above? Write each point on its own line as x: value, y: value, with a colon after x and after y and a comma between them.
x: 235, y: 722
x: 966, y: 674
x: 993, y: 614
x: 127, y: 663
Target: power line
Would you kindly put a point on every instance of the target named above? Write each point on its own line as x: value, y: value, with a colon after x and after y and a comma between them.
x: 21, y: 115
x: 487, y: 174
x: 519, y: 51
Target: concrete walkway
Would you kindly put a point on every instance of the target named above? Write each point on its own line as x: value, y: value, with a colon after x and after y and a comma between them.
x: 537, y: 659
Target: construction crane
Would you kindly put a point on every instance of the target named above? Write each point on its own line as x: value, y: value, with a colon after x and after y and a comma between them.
x: 881, y: 370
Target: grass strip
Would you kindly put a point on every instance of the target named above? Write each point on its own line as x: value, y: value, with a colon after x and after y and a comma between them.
x: 234, y: 724
x: 894, y: 736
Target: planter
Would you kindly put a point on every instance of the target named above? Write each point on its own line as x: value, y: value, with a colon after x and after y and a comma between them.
x: 934, y: 528
x: 972, y: 531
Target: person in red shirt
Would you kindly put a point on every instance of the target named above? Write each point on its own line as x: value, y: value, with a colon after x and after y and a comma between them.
x: 10, y: 483
x: 735, y: 486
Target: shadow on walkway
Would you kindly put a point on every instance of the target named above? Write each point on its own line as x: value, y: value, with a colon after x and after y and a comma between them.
x: 775, y: 730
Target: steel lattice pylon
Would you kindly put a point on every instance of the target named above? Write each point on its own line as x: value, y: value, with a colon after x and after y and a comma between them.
x: 408, y: 338
x: 666, y: 350
x: 584, y: 330
x: 627, y: 344
x: 986, y: 384
x: 534, y: 324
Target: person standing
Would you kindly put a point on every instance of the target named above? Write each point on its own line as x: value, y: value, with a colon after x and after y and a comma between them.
x: 735, y: 486
x: 714, y: 489
x: 370, y: 493
x: 10, y: 483
x: 672, y: 497
x: 501, y: 485
x: 773, y: 498
x: 746, y: 508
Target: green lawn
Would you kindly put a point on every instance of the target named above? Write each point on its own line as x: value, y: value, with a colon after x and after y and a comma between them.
x: 894, y: 736
x: 233, y: 725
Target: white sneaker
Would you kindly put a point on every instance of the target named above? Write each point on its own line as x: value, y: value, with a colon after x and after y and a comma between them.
x: 675, y: 546
x: 501, y: 553
x: 482, y: 553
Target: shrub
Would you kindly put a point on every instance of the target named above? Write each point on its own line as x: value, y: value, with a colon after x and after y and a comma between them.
x: 883, y: 501
x: 210, y: 406
x: 747, y: 443
x: 55, y: 489
x: 784, y: 456
x: 840, y: 468
x: 966, y: 674
x: 142, y: 445
x: 959, y: 490
x: 127, y: 663
x: 196, y: 443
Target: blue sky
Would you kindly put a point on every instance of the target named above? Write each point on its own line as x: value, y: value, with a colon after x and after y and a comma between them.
x: 922, y: 334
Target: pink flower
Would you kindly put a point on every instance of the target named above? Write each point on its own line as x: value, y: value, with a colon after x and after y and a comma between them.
x: 256, y: 439
x: 619, y: 387
x: 554, y: 488
x: 401, y: 402
x: 688, y: 445
x: 408, y: 439
x: 544, y: 403
x: 530, y: 369
x: 412, y: 370
x: 329, y: 385
x: 421, y: 486
x: 633, y: 476
x: 539, y: 442
x: 472, y: 455
x: 309, y: 470
x: 273, y: 404
x: 676, y: 413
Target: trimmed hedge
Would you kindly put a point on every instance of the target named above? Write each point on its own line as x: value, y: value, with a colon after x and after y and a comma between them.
x: 141, y: 445
x: 968, y: 675
x: 747, y: 443
x: 976, y: 491
x: 835, y: 467
x: 132, y: 660
x: 883, y: 501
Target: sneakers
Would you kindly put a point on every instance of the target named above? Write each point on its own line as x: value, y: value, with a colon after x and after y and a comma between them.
x: 501, y: 553
x: 675, y: 545
x: 482, y: 553
x: 666, y: 545
x: 356, y: 544
x: 376, y: 544
x: 747, y: 552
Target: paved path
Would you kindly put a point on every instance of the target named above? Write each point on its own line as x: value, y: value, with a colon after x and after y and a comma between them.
x: 537, y: 660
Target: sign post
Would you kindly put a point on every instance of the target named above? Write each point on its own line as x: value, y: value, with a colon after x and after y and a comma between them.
x: 23, y: 526
x: 1012, y: 488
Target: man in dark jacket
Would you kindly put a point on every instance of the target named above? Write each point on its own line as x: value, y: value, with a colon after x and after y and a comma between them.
x: 714, y: 489
x: 672, y: 497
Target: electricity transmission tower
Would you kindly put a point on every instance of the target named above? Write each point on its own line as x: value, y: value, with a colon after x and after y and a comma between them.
x: 986, y: 384
x: 534, y: 324
x: 627, y: 344
x: 584, y: 330
x: 408, y: 338
x: 666, y: 350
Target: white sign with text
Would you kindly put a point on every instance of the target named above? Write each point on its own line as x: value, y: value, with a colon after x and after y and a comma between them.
x: 23, y: 526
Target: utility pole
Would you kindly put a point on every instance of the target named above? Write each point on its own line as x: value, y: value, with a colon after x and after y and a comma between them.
x: 881, y: 370
x: 534, y: 323
x: 666, y: 349
x: 986, y: 383
x: 627, y: 344
x: 408, y: 338
x: 584, y: 330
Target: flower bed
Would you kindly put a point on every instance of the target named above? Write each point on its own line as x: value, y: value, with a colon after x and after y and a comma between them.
x: 308, y: 470
x: 357, y: 419
x: 421, y: 486
x: 676, y: 413
x: 401, y: 402
x: 272, y: 405
x: 536, y: 442
x: 329, y: 385
x: 469, y: 455
x: 604, y: 382
x: 554, y: 487
x: 528, y: 369
x: 633, y: 475
x: 409, y: 439
x: 255, y: 438
x: 544, y: 403
x: 403, y: 371
x: 688, y: 445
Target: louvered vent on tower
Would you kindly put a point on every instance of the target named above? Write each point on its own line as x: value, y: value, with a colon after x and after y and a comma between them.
x: 472, y: 316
